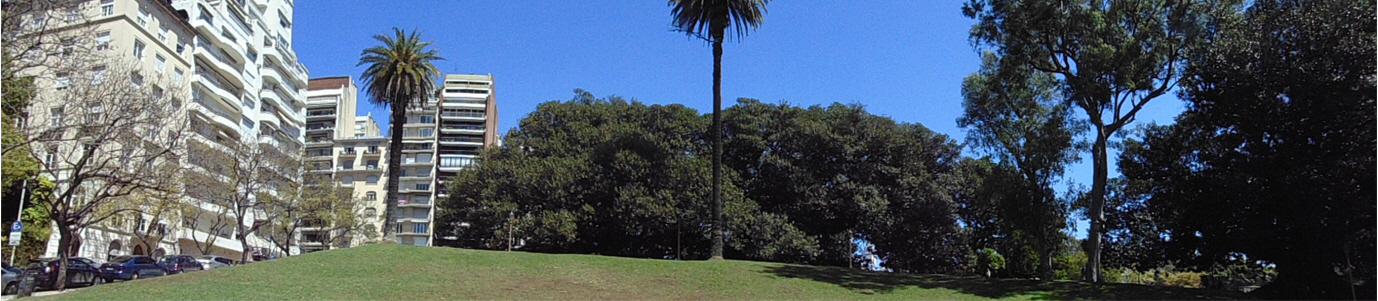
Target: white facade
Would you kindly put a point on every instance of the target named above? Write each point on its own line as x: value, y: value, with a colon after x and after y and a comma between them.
x: 244, y: 84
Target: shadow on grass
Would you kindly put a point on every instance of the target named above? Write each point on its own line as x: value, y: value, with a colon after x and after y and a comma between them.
x: 866, y: 282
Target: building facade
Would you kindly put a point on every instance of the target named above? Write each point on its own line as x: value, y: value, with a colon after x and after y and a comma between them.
x: 233, y: 65
x: 348, y: 150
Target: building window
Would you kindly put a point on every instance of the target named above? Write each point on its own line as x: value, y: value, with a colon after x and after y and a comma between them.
x: 159, y: 62
x: 136, y: 79
x: 55, y: 118
x: 103, y: 40
x: 143, y: 16
x: 162, y: 32
x: 138, y: 49
x: 347, y: 181
x: 177, y: 74
x: 73, y: 15
x: 371, y: 180
x: 371, y: 196
x: 97, y: 74
x: 63, y: 80
x: 107, y: 7
x: 420, y: 227
x: 372, y: 164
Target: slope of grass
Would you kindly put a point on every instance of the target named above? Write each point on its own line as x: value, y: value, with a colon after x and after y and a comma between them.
x: 393, y: 272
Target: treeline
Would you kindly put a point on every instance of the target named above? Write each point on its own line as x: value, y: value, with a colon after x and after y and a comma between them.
x: 617, y: 177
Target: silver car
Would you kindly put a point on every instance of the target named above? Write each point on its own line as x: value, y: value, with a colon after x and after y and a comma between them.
x: 11, y: 279
x: 214, y: 262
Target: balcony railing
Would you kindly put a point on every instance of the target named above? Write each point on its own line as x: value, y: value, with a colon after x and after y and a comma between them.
x: 461, y: 139
x: 462, y: 127
x: 240, y: 21
x: 218, y: 81
x: 206, y: 103
x: 463, y: 114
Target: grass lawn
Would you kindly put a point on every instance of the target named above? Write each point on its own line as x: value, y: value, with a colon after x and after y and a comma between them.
x: 394, y: 272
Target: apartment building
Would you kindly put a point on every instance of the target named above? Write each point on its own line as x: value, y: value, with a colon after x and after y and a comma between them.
x: 234, y: 64
x: 346, y: 149
x: 466, y: 121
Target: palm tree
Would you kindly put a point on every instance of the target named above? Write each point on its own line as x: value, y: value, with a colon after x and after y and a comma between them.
x: 693, y: 17
x: 400, y: 76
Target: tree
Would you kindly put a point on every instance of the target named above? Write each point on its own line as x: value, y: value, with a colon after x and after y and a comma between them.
x: 319, y: 204
x: 607, y: 176
x: 399, y: 75
x: 839, y: 173
x: 251, y: 175
x: 106, y: 135
x: 1016, y: 116
x: 1273, y: 158
x: 1112, y: 56
x: 694, y: 17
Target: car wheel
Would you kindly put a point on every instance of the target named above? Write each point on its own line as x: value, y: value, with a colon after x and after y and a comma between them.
x: 135, y: 276
x: 98, y: 281
x: 11, y: 288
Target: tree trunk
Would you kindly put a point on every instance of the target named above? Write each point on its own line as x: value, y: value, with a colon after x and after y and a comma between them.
x: 716, y: 135
x: 398, y: 118
x: 243, y: 243
x: 64, y: 242
x: 1097, y: 215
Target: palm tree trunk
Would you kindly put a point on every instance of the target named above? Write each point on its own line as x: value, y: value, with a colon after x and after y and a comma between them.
x: 716, y: 250
x: 399, y: 117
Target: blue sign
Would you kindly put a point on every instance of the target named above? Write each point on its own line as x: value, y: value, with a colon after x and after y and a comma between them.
x: 17, y: 226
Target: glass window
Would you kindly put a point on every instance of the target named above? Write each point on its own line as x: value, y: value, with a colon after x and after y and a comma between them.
x: 138, y: 49
x: 143, y: 16
x: 107, y: 7
x: 371, y: 196
x: 103, y: 40
x: 347, y: 181
x: 63, y: 80
x: 162, y: 32
x: 371, y: 179
x: 159, y: 62
x: 419, y: 227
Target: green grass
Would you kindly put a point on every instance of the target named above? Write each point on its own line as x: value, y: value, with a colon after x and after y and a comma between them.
x: 394, y: 272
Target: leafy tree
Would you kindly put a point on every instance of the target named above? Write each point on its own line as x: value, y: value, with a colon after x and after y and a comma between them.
x: 1274, y: 156
x: 318, y: 204
x: 1112, y: 57
x: 607, y: 176
x: 400, y: 75
x: 841, y: 173
x: 713, y: 17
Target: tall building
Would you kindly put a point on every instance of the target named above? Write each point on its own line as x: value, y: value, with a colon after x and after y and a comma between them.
x: 466, y: 121
x: 242, y: 78
x: 348, y: 151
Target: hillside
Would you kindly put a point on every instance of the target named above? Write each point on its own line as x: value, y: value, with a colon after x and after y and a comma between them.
x: 393, y: 272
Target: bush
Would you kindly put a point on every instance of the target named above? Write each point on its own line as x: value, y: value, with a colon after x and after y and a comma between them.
x: 1068, y: 266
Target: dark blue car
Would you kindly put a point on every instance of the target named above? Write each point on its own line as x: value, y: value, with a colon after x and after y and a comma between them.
x: 130, y: 267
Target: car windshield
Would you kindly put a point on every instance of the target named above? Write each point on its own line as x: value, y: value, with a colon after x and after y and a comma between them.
x: 122, y: 258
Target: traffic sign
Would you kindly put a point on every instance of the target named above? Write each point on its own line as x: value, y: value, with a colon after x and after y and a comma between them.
x: 17, y: 227
x: 14, y: 238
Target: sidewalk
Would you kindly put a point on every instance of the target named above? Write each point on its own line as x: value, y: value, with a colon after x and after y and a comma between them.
x: 40, y: 294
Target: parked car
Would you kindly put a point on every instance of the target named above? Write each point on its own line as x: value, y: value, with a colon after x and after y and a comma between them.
x: 130, y: 267
x: 176, y: 264
x: 80, y: 272
x: 11, y: 280
x: 214, y: 262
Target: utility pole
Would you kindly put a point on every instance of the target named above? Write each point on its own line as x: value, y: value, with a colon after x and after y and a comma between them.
x: 23, y: 193
x: 510, y: 215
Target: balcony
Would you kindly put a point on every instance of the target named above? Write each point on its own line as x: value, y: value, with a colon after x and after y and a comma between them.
x: 320, y: 114
x: 319, y: 128
x: 461, y: 141
x: 462, y: 115
x: 462, y: 129
x: 207, y: 105
x: 410, y: 202
x: 372, y: 152
x: 219, y: 83
x: 348, y: 152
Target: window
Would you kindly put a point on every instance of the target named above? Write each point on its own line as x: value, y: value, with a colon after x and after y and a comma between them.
x: 107, y: 7
x: 103, y: 40
x: 372, y: 164
x: 138, y: 49
x: 63, y: 80
x: 56, y: 116
x: 162, y: 32
x: 93, y: 113
x: 143, y: 16
x: 97, y: 74
x: 371, y: 179
x: 427, y: 132
x: 181, y: 46
x: 347, y: 181
x: 177, y: 76
x: 68, y: 46
x: 73, y: 15
x: 159, y: 62
x: 136, y: 79
x: 347, y: 165
x: 157, y: 92
x: 38, y: 21
x: 371, y: 196
x: 420, y: 227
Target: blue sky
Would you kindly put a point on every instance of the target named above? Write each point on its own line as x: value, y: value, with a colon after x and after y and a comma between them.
x: 902, y: 59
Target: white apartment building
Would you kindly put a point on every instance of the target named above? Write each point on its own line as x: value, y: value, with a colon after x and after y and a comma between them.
x: 242, y: 81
